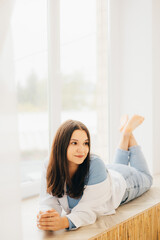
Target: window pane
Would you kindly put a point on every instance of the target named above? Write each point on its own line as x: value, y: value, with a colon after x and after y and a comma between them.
x: 29, y: 29
x: 78, y: 61
x: 79, y: 67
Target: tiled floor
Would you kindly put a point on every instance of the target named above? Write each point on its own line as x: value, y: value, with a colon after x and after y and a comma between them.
x: 31, y: 232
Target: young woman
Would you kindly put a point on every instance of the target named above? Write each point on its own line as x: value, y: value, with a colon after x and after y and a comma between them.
x: 82, y: 185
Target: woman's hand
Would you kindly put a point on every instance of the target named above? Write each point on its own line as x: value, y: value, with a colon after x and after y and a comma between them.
x: 51, y: 220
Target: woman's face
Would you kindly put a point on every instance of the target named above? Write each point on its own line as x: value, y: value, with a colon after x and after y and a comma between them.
x: 78, y: 147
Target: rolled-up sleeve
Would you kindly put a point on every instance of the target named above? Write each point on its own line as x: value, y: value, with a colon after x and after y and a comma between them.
x: 71, y: 225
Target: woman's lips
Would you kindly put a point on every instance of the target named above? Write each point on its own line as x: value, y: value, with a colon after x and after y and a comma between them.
x: 79, y: 156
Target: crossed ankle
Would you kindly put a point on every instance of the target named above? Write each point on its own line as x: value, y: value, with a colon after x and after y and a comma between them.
x: 127, y: 133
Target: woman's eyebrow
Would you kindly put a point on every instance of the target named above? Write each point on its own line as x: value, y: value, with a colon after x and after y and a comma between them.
x: 78, y: 140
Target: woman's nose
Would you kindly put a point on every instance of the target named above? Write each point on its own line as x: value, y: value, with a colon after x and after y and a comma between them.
x: 80, y: 149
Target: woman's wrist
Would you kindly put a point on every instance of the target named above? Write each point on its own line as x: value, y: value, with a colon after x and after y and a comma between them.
x: 65, y: 222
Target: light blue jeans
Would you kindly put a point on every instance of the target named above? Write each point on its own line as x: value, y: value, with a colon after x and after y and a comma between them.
x: 133, y: 167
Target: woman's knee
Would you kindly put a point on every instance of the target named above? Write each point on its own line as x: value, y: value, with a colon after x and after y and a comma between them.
x: 149, y: 180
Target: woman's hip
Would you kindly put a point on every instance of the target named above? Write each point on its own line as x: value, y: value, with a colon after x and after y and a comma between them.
x: 137, y: 182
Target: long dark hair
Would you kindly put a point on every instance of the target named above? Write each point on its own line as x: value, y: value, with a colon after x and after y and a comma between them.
x: 58, y: 169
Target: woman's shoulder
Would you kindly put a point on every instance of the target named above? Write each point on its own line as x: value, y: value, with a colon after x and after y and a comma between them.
x: 97, y: 170
x: 96, y: 162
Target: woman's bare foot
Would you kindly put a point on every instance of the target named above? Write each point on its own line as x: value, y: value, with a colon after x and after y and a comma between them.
x: 134, y: 122
x: 123, y: 122
x: 124, y: 142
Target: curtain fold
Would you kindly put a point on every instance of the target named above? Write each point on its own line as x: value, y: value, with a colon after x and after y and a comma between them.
x: 10, y: 213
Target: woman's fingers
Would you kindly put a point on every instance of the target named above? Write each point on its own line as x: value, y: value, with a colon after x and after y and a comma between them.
x: 38, y: 215
x: 48, y: 215
x: 46, y: 223
x: 47, y: 219
x: 46, y: 228
x: 51, y: 210
x: 50, y: 219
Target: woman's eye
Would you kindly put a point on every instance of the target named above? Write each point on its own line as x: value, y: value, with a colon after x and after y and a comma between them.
x: 87, y: 143
x: 73, y: 143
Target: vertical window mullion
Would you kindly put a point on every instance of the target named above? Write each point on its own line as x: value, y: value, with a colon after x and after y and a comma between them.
x: 54, y: 81
x: 102, y: 80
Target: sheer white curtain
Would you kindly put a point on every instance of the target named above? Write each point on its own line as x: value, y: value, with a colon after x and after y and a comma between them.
x: 10, y: 220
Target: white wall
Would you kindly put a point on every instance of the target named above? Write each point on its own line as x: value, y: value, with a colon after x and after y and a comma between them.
x: 156, y: 83
x: 133, y: 81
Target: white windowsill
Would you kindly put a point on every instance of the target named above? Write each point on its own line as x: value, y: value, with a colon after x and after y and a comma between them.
x: 30, y: 188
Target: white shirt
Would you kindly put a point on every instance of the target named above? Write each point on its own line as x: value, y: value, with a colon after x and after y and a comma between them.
x: 98, y: 199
